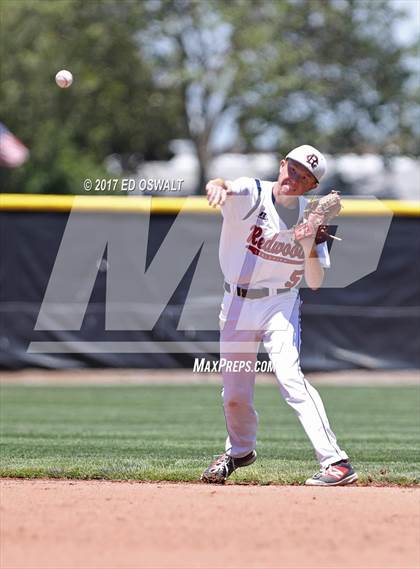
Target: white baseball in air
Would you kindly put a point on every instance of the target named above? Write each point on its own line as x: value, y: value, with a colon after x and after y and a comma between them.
x: 64, y: 79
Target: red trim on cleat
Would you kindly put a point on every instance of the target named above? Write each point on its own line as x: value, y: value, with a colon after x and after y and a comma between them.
x: 338, y: 474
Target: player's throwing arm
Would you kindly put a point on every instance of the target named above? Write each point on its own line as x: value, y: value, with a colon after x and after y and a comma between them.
x: 217, y: 191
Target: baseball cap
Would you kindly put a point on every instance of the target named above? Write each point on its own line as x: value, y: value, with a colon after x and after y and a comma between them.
x: 311, y: 158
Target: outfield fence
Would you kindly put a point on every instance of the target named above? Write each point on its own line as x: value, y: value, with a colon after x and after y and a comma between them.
x: 371, y: 323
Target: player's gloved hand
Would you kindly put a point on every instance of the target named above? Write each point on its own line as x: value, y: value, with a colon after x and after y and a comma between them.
x: 217, y: 190
x: 323, y: 234
x: 316, y: 216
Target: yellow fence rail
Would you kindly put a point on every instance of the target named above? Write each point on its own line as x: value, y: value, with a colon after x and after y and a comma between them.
x: 171, y: 205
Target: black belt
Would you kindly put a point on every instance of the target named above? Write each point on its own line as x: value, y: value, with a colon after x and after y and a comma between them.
x: 253, y: 293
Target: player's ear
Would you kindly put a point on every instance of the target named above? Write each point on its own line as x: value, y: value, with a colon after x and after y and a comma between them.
x: 282, y: 164
x: 314, y: 185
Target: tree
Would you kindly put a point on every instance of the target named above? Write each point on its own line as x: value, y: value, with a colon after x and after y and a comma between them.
x: 113, y: 107
x: 334, y: 72
x: 288, y: 71
x: 274, y: 73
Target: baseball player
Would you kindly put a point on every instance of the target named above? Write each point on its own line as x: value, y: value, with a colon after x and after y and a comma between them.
x: 268, y: 244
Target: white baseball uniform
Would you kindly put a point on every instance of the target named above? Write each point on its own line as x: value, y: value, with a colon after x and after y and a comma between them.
x: 258, y: 253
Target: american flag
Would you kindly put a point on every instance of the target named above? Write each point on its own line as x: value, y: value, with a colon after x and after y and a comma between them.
x: 12, y: 152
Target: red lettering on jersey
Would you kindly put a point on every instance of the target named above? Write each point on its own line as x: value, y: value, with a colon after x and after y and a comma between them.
x: 270, y: 243
x: 256, y: 232
x: 261, y: 246
x: 297, y: 251
x: 276, y: 247
x: 269, y: 257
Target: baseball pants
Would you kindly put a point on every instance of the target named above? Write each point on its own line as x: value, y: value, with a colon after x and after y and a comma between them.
x: 275, y: 321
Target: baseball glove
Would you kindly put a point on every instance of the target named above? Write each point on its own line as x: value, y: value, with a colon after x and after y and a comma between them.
x: 323, y: 234
x: 316, y: 216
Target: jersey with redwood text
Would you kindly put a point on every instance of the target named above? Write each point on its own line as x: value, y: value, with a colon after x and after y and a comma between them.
x: 257, y: 244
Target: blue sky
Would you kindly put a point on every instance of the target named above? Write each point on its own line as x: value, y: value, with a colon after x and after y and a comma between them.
x: 408, y: 28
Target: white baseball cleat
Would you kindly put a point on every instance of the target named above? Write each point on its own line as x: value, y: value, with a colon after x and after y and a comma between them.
x: 223, y: 466
x: 337, y: 474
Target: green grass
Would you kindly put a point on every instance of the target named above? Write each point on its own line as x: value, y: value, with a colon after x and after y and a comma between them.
x: 171, y: 433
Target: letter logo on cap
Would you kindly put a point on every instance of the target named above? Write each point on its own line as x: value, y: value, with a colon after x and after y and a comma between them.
x: 312, y: 159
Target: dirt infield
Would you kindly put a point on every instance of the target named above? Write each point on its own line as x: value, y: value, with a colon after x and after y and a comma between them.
x: 186, y: 376
x: 97, y: 524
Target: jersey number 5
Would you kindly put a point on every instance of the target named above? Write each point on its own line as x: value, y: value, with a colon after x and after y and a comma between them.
x: 295, y: 279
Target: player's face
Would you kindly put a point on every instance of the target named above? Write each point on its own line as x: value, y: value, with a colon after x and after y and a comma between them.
x: 294, y: 179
